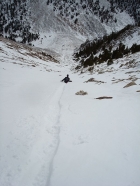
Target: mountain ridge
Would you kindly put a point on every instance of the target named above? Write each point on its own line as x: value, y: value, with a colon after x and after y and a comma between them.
x: 62, y: 26
x: 106, y: 49
x: 89, y: 18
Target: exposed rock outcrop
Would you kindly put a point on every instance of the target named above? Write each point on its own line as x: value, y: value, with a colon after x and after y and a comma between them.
x: 130, y: 84
x: 104, y: 97
x: 81, y: 92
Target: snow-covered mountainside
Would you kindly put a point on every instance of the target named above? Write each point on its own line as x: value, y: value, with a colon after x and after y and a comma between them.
x: 28, y: 20
x: 64, y: 25
x: 50, y: 135
x: 108, y: 48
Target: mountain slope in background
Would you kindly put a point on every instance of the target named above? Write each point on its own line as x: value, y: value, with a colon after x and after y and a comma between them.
x: 106, y: 49
x: 29, y: 21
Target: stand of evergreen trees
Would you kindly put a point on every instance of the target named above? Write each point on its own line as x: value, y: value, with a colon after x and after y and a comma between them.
x: 70, y: 9
x: 87, y: 54
x: 130, y: 6
x: 14, y: 21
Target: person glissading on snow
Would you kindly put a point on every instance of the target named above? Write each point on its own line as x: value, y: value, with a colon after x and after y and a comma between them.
x: 66, y: 79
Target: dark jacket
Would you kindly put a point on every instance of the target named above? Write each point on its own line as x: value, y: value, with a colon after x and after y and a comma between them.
x: 66, y: 79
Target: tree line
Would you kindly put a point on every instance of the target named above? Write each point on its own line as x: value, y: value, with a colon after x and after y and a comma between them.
x: 14, y: 21
x: 101, y: 50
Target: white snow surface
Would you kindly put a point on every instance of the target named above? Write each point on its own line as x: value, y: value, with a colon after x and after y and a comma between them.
x: 132, y: 39
x: 51, y: 137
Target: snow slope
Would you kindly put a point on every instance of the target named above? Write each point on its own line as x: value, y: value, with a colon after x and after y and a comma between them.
x: 51, y: 137
x: 57, y: 26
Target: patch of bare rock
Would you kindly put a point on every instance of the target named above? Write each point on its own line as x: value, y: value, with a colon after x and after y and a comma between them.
x: 131, y: 78
x: 81, y: 92
x: 130, y: 84
x: 94, y: 80
x: 104, y: 97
